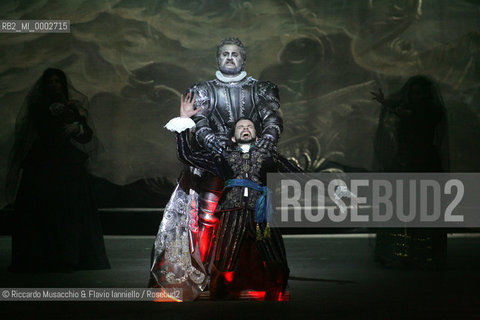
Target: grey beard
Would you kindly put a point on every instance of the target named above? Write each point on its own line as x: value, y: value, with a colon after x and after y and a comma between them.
x: 230, y: 71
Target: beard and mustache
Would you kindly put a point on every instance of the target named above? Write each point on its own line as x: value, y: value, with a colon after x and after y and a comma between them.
x: 223, y: 69
x: 248, y: 139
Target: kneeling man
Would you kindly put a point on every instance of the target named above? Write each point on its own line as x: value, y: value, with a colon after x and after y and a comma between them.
x: 248, y: 255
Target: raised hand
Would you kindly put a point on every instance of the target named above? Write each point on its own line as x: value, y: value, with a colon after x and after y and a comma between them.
x: 378, y: 96
x: 186, y: 106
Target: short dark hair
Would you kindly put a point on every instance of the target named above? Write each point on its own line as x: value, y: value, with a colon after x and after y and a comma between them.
x: 234, y: 41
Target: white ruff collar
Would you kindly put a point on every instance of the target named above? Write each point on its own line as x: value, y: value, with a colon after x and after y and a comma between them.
x: 245, y: 147
x: 222, y: 78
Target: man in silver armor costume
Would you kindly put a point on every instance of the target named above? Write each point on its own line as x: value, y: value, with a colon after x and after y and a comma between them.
x: 222, y: 101
x: 233, y: 95
x: 183, y: 250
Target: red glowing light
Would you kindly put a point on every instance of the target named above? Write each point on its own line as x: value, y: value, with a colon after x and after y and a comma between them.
x: 228, y: 276
x: 254, y: 295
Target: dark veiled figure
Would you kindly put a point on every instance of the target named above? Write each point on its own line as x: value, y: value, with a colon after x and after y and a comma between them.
x: 56, y: 224
x: 412, y: 136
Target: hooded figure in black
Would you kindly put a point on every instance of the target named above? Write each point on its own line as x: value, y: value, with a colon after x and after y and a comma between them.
x: 56, y: 224
x: 412, y: 132
x: 412, y: 136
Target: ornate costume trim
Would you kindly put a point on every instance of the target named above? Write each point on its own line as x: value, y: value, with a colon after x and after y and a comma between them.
x: 172, y: 262
x: 222, y: 78
x: 179, y: 124
x: 197, y: 132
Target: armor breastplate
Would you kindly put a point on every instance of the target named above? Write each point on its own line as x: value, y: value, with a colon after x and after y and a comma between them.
x: 229, y: 102
x: 222, y: 104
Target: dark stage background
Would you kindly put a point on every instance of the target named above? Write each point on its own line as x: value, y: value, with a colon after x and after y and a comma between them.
x: 133, y: 59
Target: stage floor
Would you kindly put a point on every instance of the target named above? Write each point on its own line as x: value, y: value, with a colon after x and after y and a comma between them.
x: 332, y: 276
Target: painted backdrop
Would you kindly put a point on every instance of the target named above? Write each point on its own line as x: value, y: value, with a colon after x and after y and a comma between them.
x: 133, y: 59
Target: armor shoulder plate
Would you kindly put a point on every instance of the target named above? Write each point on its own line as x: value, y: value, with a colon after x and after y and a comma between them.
x: 201, y: 93
x: 203, y: 99
x: 267, y: 90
